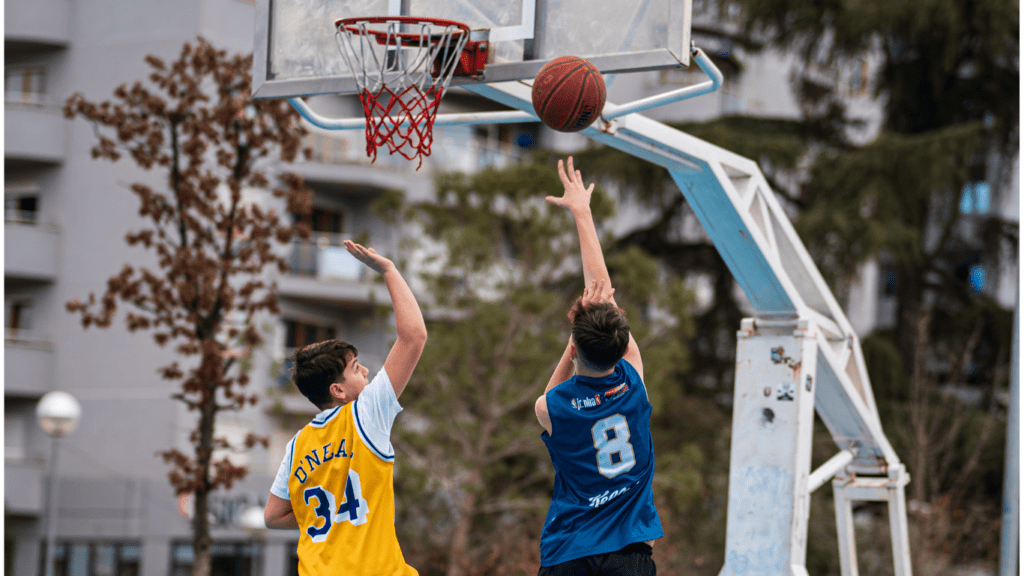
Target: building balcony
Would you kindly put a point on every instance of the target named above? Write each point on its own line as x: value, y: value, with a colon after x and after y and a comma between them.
x: 322, y: 270
x: 23, y: 487
x: 340, y: 157
x: 30, y: 250
x: 33, y: 133
x: 28, y: 364
x: 40, y: 23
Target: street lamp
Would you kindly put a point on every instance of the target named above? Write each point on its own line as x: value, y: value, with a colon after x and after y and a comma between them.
x: 57, y: 414
x: 251, y: 520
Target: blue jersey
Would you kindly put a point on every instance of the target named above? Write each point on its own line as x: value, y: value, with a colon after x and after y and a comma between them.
x: 600, y: 444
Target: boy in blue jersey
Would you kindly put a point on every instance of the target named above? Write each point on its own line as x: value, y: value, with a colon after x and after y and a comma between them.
x: 596, y: 418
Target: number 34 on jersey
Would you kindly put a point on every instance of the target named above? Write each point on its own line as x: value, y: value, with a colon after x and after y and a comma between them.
x: 352, y: 509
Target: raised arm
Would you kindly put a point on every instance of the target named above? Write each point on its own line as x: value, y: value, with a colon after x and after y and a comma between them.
x: 576, y: 199
x: 412, y: 331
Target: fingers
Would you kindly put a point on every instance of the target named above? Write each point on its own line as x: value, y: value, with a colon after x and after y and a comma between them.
x: 566, y: 181
x: 360, y: 251
x: 598, y: 291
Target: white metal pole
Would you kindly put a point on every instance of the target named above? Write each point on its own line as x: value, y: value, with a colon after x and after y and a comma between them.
x: 1009, y: 546
x: 611, y: 111
x: 830, y: 469
x: 51, y: 514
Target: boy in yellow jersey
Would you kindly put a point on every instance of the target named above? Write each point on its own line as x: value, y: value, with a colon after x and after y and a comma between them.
x: 336, y: 480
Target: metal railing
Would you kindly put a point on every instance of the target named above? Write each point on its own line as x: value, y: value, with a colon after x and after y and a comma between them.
x: 454, y: 150
x: 21, y: 216
x: 324, y: 257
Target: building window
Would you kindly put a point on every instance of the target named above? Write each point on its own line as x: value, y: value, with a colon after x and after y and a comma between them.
x: 95, y: 558
x: 25, y: 85
x: 17, y: 418
x: 17, y: 316
x: 975, y: 198
x: 227, y: 558
x: 23, y: 209
x: 890, y: 280
x: 976, y: 278
x: 314, y: 257
x: 299, y: 334
x: 326, y: 220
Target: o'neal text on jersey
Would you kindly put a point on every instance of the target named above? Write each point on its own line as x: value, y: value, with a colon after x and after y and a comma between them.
x: 319, y: 457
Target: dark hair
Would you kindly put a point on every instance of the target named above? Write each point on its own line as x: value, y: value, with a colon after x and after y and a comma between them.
x: 319, y: 365
x: 600, y: 332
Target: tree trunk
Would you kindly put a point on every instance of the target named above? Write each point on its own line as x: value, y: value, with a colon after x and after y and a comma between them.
x: 201, y: 534
x: 201, y: 540
x: 458, y: 550
x: 909, y: 309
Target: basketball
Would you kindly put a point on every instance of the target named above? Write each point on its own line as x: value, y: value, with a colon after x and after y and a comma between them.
x: 568, y: 94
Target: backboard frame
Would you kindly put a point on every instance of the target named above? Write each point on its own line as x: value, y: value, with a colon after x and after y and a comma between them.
x: 675, y: 54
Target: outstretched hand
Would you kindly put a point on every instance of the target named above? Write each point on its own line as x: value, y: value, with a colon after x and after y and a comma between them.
x: 576, y: 198
x: 599, y: 291
x: 369, y: 257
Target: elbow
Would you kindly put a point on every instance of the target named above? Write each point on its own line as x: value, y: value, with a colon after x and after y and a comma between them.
x: 418, y: 335
x: 414, y: 338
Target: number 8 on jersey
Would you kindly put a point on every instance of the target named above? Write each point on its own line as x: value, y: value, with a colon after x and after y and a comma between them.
x: 614, y: 452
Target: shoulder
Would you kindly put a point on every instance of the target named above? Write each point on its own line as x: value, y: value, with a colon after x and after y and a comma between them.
x: 628, y: 370
x: 630, y: 373
x: 632, y: 377
x: 378, y: 391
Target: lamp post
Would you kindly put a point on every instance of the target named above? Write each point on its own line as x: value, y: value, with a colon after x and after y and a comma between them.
x: 251, y: 520
x: 57, y: 414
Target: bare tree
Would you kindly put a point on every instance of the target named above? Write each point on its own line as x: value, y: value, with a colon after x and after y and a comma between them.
x: 196, y: 122
x: 949, y: 443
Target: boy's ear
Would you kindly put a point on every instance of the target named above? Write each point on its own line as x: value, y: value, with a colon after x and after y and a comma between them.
x: 572, y: 351
x: 338, y: 392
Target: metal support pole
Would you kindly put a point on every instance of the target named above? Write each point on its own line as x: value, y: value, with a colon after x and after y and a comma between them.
x: 506, y: 117
x: 1009, y: 545
x: 846, y: 537
x: 612, y: 111
x: 830, y: 469
x: 51, y: 514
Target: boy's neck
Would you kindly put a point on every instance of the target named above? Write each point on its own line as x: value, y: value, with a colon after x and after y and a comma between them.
x: 582, y: 371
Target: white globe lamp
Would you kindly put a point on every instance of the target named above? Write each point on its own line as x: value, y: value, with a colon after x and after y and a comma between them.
x: 58, y: 413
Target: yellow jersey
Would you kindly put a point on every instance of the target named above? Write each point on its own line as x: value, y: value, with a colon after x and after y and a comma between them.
x: 340, y: 481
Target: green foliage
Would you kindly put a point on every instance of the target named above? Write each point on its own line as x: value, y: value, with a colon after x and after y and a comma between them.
x: 498, y: 327
x: 889, y: 383
x: 877, y: 197
x: 773, y: 142
x: 944, y: 61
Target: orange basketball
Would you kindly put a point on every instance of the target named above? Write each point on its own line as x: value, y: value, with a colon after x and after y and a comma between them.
x: 568, y: 94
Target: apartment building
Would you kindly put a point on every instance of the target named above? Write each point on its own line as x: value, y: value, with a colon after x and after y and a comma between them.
x: 65, y: 219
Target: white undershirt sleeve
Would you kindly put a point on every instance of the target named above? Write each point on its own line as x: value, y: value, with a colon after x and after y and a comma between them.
x: 280, y: 486
x: 375, y: 411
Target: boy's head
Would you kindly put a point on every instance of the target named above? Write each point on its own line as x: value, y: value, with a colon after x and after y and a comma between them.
x: 328, y: 373
x: 600, y: 333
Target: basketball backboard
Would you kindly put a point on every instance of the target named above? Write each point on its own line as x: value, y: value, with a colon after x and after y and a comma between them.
x: 296, y: 53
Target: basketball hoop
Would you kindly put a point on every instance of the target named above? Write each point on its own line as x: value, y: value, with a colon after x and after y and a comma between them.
x: 402, y: 66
